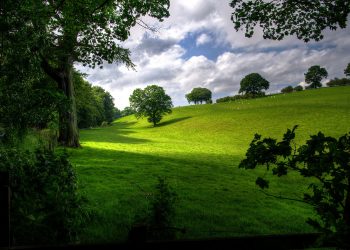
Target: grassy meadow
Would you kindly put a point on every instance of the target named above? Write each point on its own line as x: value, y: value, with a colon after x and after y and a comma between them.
x: 198, y: 148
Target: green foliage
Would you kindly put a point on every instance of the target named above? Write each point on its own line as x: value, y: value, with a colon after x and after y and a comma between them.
x: 338, y: 82
x: 152, y: 102
x: 298, y: 88
x: 280, y: 18
x: 94, y: 104
x: 288, y: 89
x: 347, y: 70
x: 199, y: 95
x: 314, y: 76
x: 127, y: 111
x: 46, y: 206
x: 27, y: 100
x: 54, y: 35
x: 253, y: 84
x: 323, y: 158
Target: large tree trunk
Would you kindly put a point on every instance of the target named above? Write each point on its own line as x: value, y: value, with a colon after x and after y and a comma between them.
x: 68, y: 129
x: 68, y: 126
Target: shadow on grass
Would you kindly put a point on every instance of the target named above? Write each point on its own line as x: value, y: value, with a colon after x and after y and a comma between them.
x: 173, y: 121
x: 119, y: 132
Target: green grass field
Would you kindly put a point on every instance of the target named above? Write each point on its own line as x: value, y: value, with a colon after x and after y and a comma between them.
x: 198, y: 148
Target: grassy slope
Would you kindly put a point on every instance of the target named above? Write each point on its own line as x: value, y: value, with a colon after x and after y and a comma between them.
x: 198, y: 149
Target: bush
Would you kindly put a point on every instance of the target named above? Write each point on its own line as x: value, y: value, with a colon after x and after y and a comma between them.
x: 46, y: 207
x: 338, y: 82
x: 288, y: 89
x: 158, y: 223
x: 298, y: 88
x: 239, y: 97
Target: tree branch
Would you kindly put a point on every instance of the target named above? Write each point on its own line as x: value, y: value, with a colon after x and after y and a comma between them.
x: 52, y: 72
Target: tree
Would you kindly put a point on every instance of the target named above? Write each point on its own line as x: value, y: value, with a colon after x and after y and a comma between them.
x: 279, y: 18
x: 288, y: 89
x: 127, y: 111
x: 314, y: 76
x: 94, y: 104
x: 347, y: 71
x: 152, y: 102
x: 253, y: 84
x: 60, y: 32
x: 325, y: 160
x: 199, y: 95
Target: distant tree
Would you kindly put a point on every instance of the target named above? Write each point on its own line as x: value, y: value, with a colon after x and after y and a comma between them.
x: 94, y: 104
x: 152, y: 102
x: 323, y: 159
x: 127, y: 111
x: 117, y: 113
x: 347, y: 70
x: 298, y: 88
x: 314, y: 76
x: 280, y: 18
x: 338, y: 82
x: 287, y: 89
x: 199, y: 95
x: 253, y: 84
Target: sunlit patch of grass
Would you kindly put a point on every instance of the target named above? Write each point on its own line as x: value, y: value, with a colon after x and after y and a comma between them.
x: 198, y: 149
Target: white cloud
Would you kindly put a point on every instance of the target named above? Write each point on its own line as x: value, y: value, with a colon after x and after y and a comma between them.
x: 203, y: 39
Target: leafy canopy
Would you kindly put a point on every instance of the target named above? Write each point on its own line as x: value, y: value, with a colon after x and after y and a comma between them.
x: 253, y: 84
x: 280, y: 18
x: 314, y: 76
x: 199, y: 95
x: 347, y: 70
x: 324, y: 159
x: 151, y: 102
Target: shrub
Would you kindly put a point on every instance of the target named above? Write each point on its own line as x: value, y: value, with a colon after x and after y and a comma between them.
x: 158, y: 223
x: 338, y: 82
x: 288, y: 89
x: 240, y: 97
x: 46, y: 207
x: 298, y: 88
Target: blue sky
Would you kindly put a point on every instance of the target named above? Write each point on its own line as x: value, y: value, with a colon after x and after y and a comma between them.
x: 197, y: 46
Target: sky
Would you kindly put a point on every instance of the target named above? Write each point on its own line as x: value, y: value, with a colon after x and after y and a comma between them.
x: 197, y: 46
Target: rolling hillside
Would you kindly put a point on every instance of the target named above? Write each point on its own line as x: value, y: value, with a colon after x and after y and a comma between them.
x: 198, y: 148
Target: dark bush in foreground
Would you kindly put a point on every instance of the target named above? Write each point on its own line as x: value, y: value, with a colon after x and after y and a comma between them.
x: 323, y: 159
x: 46, y: 207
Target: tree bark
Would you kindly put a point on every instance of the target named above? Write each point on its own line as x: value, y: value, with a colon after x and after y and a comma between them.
x: 68, y: 126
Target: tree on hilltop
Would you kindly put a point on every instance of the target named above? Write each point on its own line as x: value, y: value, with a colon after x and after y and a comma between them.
x: 199, y: 95
x: 314, y: 76
x: 253, y: 84
x: 151, y: 102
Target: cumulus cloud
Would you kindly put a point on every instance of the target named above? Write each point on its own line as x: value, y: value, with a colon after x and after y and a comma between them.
x: 159, y: 57
x: 203, y: 39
